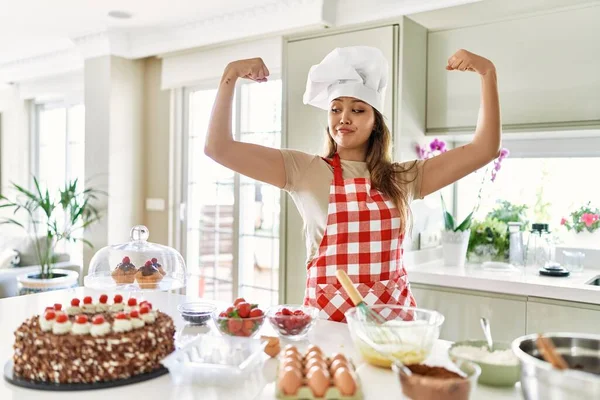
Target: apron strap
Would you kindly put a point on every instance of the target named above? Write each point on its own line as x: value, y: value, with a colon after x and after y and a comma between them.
x: 336, y: 163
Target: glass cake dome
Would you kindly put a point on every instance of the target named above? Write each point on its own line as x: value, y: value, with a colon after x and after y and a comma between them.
x: 136, y: 265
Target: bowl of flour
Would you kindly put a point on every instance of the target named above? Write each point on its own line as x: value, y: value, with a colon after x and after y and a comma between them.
x: 499, y: 367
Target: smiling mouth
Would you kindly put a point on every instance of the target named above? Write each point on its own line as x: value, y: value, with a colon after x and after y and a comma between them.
x: 345, y: 131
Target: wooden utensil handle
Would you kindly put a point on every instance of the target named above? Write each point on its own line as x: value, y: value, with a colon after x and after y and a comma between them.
x: 349, y: 287
x: 548, y: 351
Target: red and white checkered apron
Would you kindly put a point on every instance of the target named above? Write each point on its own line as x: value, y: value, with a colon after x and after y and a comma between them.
x: 363, y: 238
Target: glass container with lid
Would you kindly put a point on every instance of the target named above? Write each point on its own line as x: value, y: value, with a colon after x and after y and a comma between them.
x: 136, y: 265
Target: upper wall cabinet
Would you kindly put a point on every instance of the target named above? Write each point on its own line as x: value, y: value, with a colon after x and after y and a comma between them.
x: 548, y: 72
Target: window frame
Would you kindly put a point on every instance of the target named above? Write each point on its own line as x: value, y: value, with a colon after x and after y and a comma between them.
x: 181, y: 104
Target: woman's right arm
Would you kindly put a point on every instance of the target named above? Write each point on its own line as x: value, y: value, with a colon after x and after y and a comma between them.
x: 257, y: 162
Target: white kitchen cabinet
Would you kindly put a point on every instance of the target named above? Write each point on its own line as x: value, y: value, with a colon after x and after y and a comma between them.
x: 305, y: 125
x: 547, y: 72
x: 462, y: 310
x: 545, y: 315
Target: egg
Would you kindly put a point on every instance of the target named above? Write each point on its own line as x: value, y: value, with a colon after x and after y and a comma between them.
x: 312, y: 348
x: 337, y: 356
x: 292, y: 354
x: 344, y: 381
x: 291, y: 362
x: 313, y: 354
x: 290, y: 381
x: 336, y: 364
x: 314, y: 361
x: 318, y: 381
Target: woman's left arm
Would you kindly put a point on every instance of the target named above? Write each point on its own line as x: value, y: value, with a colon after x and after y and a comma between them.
x: 454, y: 164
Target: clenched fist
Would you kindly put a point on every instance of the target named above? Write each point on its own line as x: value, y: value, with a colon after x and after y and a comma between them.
x: 252, y: 68
x: 464, y: 60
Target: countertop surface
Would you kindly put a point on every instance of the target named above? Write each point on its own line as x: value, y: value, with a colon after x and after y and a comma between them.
x: 520, y: 281
x: 332, y: 337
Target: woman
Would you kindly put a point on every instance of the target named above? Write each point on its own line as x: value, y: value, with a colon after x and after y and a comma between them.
x: 355, y: 200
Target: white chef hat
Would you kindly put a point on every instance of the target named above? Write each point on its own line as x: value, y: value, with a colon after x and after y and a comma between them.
x: 357, y: 71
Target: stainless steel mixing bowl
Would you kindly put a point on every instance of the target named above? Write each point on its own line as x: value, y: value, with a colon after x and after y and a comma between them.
x: 539, y: 380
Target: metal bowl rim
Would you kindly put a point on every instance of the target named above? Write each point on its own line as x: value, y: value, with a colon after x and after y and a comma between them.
x: 526, y: 358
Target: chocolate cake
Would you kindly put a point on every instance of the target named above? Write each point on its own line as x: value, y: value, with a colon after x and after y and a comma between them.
x: 61, y: 348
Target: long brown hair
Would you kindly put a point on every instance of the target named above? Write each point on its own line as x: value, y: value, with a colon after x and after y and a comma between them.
x: 386, y: 176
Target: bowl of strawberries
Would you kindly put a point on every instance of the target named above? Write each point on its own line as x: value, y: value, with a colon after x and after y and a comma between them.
x: 292, y: 321
x: 240, y: 319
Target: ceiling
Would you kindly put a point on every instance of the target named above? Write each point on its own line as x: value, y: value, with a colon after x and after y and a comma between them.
x: 33, y: 27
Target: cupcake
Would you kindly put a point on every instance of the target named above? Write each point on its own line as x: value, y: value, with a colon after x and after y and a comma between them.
x: 125, y: 272
x: 159, y: 267
x: 148, y: 276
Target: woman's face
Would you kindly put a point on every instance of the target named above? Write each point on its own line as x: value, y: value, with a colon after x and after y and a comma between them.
x: 350, y: 123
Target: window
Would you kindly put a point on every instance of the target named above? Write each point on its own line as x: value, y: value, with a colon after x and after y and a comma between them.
x: 59, y: 153
x: 551, y: 187
x: 232, y: 222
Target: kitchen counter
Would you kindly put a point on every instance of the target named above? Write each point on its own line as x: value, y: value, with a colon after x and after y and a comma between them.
x: 523, y: 282
x: 330, y: 336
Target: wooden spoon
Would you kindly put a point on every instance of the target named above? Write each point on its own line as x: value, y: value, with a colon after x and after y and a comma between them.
x: 549, y: 353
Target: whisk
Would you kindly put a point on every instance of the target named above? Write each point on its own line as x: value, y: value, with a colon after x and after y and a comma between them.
x: 372, y: 329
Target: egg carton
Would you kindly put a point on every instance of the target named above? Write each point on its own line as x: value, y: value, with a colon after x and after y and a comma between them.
x: 333, y: 393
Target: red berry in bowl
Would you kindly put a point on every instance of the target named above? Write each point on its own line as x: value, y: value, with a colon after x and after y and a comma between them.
x: 81, y: 319
x: 243, y: 309
x: 256, y: 312
x: 103, y: 299
x: 75, y: 302
x: 131, y: 302
x: 60, y: 318
x: 87, y: 300
x: 239, y: 300
x: 98, y: 320
x: 286, y: 311
x: 118, y: 299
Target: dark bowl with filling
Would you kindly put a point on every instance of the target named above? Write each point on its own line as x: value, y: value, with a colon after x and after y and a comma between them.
x: 196, y: 313
x: 428, y: 382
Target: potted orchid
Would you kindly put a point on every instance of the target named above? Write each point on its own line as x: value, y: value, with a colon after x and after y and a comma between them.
x: 455, y: 237
x: 584, y: 225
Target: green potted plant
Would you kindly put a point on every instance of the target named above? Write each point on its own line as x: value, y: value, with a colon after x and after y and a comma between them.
x: 455, y: 237
x: 55, y: 219
x: 506, y: 212
x: 488, y: 241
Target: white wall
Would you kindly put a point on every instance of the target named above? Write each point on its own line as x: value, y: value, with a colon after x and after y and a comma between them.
x: 14, y: 140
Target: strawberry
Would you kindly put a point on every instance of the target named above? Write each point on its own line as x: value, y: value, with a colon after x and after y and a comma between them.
x: 239, y: 300
x: 98, y: 320
x: 75, y: 302
x: 234, y: 325
x: 229, y: 311
x: 118, y: 299
x: 60, y: 318
x: 103, y: 299
x: 50, y: 314
x: 87, y: 300
x: 223, y: 314
x: 134, y: 314
x: 286, y: 311
x: 298, y: 312
x: 257, y: 312
x: 243, y: 309
x: 131, y: 302
x: 58, y: 306
x: 154, y: 261
x: 245, y: 331
x: 144, y: 310
x: 248, y: 324
x: 121, y: 316
x: 81, y: 319
x: 148, y: 264
x: 126, y: 260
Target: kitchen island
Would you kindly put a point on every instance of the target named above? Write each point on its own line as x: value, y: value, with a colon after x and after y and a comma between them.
x: 330, y: 336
